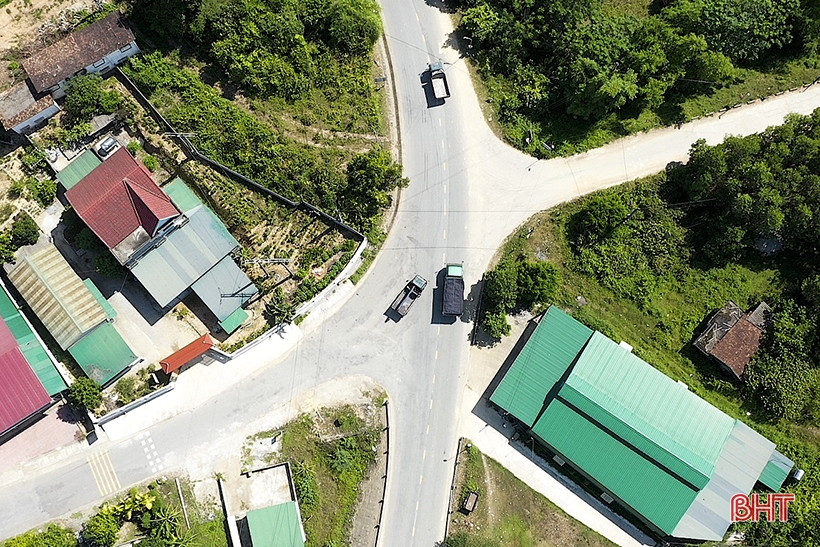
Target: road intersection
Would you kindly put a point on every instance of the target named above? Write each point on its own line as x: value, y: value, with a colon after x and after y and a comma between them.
x: 468, y: 191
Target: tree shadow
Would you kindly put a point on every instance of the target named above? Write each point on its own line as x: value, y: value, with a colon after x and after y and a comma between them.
x: 66, y: 414
x: 444, y: 6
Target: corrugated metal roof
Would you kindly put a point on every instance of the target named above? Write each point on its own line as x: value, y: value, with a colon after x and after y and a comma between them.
x: 31, y: 346
x: 744, y: 455
x: 276, y: 526
x: 688, y: 431
x: 184, y: 256
x: 182, y: 196
x: 106, y: 305
x: 224, y: 288
x: 77, y: 170
x: 56, y: 295
x: 658, y: 448
x: 187, y: 354
x: 102, y: 353
x: 551, y: 349
x: 234, y: 320
x: 21, y: 393
x: 625, y: 473
x: 777, y: 469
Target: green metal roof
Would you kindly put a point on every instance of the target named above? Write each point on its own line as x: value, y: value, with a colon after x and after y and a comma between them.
x: 276, y: 526
x: 551, y: 349
x: 623, y: 471
x: 672, y: 425
x: 182, y: 196
x: 31, y: 346
x: 109, y: 309
x: 234, y: 320
x: 776, y: 471
x: 79, y: 167
x: 102, y: 353
x: 645, y: 439
x: 224, y: 288
x: 184, y: 256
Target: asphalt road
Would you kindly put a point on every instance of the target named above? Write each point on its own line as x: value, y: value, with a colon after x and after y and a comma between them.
x: 468, y: 191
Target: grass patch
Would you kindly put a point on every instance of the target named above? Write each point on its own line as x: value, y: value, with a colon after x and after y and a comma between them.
x: 329, y: 456
x: 207, y: 520
x: 509, y: 513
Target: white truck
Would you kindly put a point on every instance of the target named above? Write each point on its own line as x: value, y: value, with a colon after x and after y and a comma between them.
x: 438, y: 80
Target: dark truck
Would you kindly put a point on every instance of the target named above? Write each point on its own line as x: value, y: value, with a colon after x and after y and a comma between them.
x: 438, y: 80
x: 453, y: 299
x: 408, y: 295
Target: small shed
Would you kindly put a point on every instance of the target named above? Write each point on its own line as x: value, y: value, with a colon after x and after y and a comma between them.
x: 732, y: 336
x: 183, y: 356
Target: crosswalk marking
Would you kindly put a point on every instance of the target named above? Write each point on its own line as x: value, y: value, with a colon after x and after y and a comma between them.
x: 102, y: 469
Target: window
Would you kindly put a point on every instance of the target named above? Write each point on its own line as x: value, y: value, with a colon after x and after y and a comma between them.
x: 126, y: 47
x: 99, y: 63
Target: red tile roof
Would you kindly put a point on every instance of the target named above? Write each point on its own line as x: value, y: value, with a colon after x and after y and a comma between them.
x: 21, y: 393
x: 187, y: 354
x: 736, y: 348
x: 118, y: 197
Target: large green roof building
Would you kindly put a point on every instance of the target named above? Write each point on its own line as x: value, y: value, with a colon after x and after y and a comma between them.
x: 646, y: 441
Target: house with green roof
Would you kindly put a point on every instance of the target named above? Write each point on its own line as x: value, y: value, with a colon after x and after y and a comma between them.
x: 647, y: 442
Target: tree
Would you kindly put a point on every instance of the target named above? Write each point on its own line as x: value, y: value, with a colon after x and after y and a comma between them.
x: 24, y: 231
x: 501, y: 286
x: 598, y: 218
x: 354, y: 26
x: 52, y: 536
x: 86, y: 97
x: 370, y: 179
x: 537, y: 283
x: 107, y: 265
x: 742, y: 30
x: 85, y: 393
x: 102, y: 529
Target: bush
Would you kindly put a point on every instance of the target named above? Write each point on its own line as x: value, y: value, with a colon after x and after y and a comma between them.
x: 537, y: 283
x: 101, y: 530
x: 126, y: 390
x: 86, y: 97
x: 53, y: 536
x: 24, y: 231
x: 150, y: 163
x: 85, y: 393
x: 495, y: 324
x: 502, y: 286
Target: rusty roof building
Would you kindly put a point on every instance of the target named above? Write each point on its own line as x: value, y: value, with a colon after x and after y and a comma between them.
x: 80, y: 50
x: 733, y: 336
x: 21, y: 110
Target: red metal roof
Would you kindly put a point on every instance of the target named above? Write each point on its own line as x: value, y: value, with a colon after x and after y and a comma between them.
x: 21, y: 393
x: 187, y: 354
x: 118, y: 197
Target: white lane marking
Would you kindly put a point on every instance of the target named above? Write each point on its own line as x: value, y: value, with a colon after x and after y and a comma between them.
x: 424, y: 455
x: 438, y: 331
x: 445, y: 234
x: 444, y: 166
x: 439, y: 122
x: 417, y: 18
x: 436, y: 354
x: 434, y: 378
x: 431, y: 404
x: 445, y: 188
x: 428, y: 429
x: 442, y: 144
x: 421, y: 478
x: 443, y: 257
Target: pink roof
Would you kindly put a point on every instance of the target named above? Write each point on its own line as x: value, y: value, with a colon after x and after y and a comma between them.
x: 21, y: 393
x: 118, y: 197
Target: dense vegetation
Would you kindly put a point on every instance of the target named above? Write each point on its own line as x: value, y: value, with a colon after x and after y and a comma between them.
x: 241, y: 141
x: 327, y: 474
x: 576, y: 73
x: 650, y: 261
x: 310, y: 58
